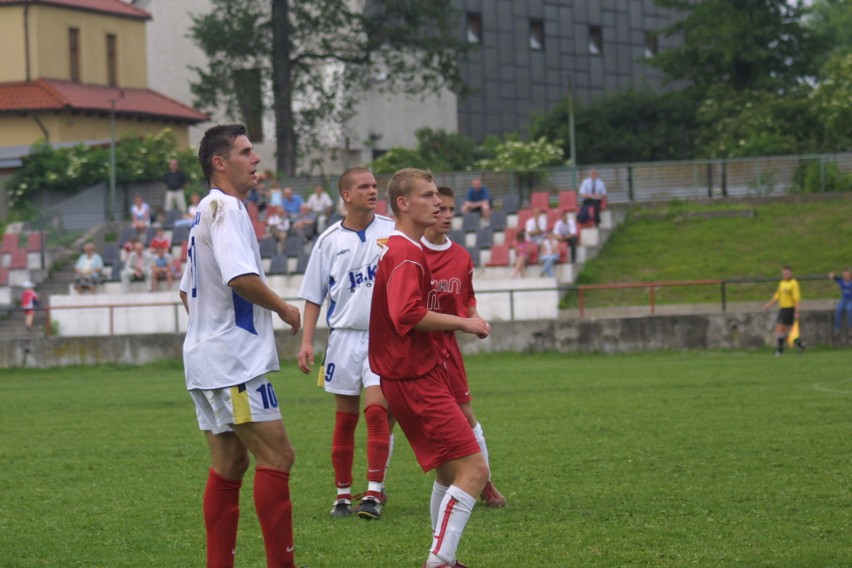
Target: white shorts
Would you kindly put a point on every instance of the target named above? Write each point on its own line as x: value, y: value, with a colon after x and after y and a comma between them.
x: 218, y: 409
x: 346, y: 365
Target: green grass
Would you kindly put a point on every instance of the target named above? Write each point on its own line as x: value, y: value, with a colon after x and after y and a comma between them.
x: 663, y: 459
x: 810, y: 235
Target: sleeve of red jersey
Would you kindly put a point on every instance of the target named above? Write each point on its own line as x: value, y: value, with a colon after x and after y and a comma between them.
x: 405, y: 297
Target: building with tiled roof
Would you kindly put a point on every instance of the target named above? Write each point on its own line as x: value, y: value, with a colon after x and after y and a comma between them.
x: 70, y: 66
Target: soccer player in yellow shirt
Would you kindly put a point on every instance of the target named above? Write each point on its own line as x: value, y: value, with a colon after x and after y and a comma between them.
x: 788, y: 297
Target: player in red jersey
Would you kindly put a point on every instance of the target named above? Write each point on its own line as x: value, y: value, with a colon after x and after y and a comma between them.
x: 412, y: 365
x: 452, y: 270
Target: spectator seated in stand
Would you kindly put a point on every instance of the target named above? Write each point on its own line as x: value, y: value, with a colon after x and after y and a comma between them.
x: 291, y: 202
x: 278, y: 225
x: 522, y: 255
x: 137, y: 268
x: 322, y: 206
x: 140, y: 215
x: 536, y: 226
x: 305, y: 224
x: 160, y: 240
x: 478, y: 199
x: 161, y: 268
x: 566, y: 231
x: 88, y: 270
x: 549, y: 254
x: 189, y: 216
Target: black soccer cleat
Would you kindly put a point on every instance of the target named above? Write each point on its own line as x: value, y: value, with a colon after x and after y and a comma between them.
x: 370, y: 509
x: 342, y: 508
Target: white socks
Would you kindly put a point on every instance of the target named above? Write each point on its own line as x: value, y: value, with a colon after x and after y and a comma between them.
x: 480, y: 439
x: 453, y: 514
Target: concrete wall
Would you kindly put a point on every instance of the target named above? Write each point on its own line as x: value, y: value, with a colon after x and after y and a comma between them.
x: 611, y: 335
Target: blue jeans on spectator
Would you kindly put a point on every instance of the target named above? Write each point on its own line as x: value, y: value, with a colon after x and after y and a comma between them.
x: 548, y: 260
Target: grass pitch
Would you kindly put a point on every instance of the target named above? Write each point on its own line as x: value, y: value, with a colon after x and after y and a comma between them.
x: 663, y: 459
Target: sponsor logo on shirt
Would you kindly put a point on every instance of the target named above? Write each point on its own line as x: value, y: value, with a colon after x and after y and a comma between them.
x: 363, y: 276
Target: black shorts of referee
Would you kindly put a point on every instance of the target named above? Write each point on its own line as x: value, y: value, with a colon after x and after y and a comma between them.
x: 787, y: 316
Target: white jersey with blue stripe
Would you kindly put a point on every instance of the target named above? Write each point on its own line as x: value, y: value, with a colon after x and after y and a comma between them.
x: 229, y: 340
x: 342, y: 267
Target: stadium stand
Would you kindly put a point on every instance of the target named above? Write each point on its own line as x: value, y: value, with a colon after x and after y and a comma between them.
x: 34, y: 241
x: 10, y: 242
x: 268, y: 247
x: 499, y: 256
x: 484, y: 238
x: 567, y: 201
x: 511, y: 204
x: 540, y: 200
x: 470, y: 222
x: 498, y: 220
x: 278, y: 264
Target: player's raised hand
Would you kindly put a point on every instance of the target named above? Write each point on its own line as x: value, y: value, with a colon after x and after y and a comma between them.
x: 306, y: 357
x: 477, y: 326
x: 290, y: 315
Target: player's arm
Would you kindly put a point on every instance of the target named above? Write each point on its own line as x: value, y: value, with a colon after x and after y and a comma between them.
x: 434, y: 321
x: 306, y: 350
x: 771, y: 301
x: 250, y: 287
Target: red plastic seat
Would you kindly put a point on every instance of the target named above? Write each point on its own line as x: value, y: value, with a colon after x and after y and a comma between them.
x: 540, y: 200
x: 382, y: 207
x: 510, y: 235
x: 567, y: 200
x: 499, y: 256
x: 34, y: 241
x: 10, y: 242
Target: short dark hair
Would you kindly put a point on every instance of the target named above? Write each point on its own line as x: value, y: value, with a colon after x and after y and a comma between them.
x: 217, y: 141
x: 446, y: 191
x: 402, y: 184
x: 347, y: 178
x: 788, y: 267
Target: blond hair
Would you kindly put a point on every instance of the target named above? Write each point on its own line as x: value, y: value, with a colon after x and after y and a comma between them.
x: 402, y: 184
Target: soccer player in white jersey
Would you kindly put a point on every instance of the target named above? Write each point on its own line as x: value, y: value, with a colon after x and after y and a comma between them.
x: 452, y: 271
x: 229, y: 349
x: 342, y: 269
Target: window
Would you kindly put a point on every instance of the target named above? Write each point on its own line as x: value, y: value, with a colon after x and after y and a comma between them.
x: 112, y: 64
x: 247, y: 84
x: 651, y: 47
x: 595, y: 40
x: 473, y: 30
x: 536, y: 34
x: 74, y: 53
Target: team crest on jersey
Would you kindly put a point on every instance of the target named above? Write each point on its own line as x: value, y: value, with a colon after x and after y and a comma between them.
x: 383, y: 242
x: 363, y: 276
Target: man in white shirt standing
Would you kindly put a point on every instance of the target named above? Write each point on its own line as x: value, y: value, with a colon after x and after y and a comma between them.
x: 565, y: 229
x: 342, y: 269
x: 592, y: 192
x: 229, y: 349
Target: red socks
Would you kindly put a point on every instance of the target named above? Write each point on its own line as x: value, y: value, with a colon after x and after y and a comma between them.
x: 275, y: 512
x: 221, y: 516
x: 378, y: 442
x: 343, y: 447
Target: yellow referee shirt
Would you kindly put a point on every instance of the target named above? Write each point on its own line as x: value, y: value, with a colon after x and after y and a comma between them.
x: 788, y: 294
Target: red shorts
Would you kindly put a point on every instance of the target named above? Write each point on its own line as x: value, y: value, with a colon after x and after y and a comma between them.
x: 458, y: 376
x: 431, y: 418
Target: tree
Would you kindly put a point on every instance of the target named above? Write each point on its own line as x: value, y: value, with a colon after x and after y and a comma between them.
x: 625, y: 126
x: 437, y: 150
x: 746, y: 44
x: 316, y: 57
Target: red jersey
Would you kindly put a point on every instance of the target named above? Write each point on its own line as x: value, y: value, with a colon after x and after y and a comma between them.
x: 452, y: 272
x: 401, y: 294
x: 29, y: 299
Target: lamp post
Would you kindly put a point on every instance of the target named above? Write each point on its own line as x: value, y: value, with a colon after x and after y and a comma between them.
x: 112, y: 160
x: 571, y: 142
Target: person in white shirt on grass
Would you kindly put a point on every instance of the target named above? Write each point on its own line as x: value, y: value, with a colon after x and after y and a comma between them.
x: 228, y: 351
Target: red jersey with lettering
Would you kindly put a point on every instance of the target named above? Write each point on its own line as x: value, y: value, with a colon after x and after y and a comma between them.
x: 452, y: 273
x: 401, y: 295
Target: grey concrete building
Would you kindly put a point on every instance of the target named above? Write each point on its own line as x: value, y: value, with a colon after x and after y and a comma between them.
x: 531, y: 53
